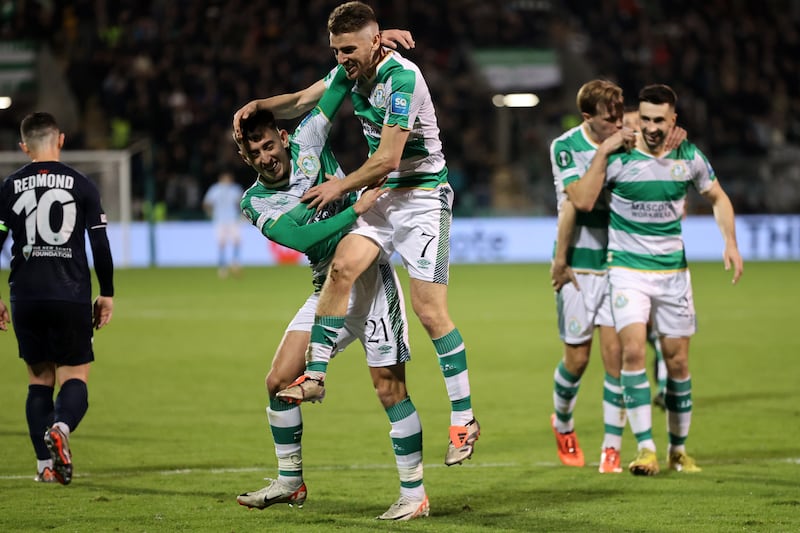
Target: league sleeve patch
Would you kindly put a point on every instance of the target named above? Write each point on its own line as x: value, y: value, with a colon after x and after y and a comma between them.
x: 401, y: 102
x: 564, y: 158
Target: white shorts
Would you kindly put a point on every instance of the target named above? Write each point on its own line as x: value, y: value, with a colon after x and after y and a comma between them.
x: 580, y: 311
x: 416, y: 224
x: 666, y: 297
x: 376, y: 315
x: 228, y: 232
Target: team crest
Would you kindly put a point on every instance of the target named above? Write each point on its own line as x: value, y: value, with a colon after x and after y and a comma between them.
x: 309, y: 165
x: 574, y: 326
x: 620, y: 301
x: 378, y: 96
x: 678, y: 170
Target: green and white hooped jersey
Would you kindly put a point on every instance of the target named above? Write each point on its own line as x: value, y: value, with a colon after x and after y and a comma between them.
x: 570, y: 157
x: 398, y: 95
x: 648, y: 197
x: 311, y: 156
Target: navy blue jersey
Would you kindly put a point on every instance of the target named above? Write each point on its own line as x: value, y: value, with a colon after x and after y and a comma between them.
x: 49, y: 207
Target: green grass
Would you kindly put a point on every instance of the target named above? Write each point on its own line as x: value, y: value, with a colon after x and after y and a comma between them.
x: 177, y: 428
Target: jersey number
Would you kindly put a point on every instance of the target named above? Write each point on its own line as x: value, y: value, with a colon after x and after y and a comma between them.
x: 379, y: 332
x: 37, y: 215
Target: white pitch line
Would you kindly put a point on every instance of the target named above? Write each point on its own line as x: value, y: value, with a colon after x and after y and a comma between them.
x: 342, y: 468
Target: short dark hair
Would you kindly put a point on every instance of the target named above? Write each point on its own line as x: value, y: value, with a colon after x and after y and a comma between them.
x: 37, y: 125
x: 658, y: 93
x: 350, y: 17
x: 254, y: 125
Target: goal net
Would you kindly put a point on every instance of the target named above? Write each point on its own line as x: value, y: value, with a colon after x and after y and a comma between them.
x: 110, y: 170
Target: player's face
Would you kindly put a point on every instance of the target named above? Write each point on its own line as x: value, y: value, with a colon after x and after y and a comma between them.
x: 656, y: 121
x: 268, y: 156
x: 357, y: 51
x: 606, y: 122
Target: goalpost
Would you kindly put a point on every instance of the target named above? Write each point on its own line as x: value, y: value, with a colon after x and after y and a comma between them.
x: 110, y: 170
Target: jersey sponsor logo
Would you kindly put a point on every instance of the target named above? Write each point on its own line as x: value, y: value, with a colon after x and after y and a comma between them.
x: 651, y: 211
x: 309, y: 165
x: 401, y: 102
x: 378, y: 96
x: 564, y: 158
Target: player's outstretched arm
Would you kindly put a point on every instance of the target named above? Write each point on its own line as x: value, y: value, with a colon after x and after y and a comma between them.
x: 283, y: 106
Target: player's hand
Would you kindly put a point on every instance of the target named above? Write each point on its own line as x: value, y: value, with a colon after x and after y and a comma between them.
x: 391, y: 38
x: 624, y: 138
x: 369, y: 197
x: 321, y: 195
x: 561, y: 274
x: 732, y: 258
x: 674, y: 138
x: 102, y: 309
x: 4, y: 318
x: 243, y: 112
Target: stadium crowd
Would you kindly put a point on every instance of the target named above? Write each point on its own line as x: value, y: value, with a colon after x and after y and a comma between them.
x: 174, y: 72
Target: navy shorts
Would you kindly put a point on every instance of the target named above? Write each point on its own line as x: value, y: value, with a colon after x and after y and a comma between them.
x: 58, y: 332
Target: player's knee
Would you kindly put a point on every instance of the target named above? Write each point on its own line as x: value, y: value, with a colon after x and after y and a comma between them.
x: 276, y: 383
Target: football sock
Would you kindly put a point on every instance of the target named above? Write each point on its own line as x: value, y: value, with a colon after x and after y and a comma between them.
x: 565, y: 392
x: 614, y: 415
x: 406, y: 434
x: 636, y: 392
x: 679, y: 410
x: 324, y: 334
x: 286, y: 425
x: 72, y: 402
x: 453, y: 363
x: 41, y: 464
x: 39, y: 412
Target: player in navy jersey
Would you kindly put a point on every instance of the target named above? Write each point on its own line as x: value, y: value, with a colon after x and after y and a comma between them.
x: 49, y: 208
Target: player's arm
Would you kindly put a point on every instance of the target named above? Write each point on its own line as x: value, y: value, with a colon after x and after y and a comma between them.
x: 283, y: 106
x: 583, y: 193
x: 560, y: 271
x: 4, y: 316
x: 301, y: 237
x: 384, y: 160
x: 723, y: 214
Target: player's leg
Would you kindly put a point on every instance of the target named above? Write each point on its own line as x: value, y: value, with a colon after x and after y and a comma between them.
x: 421, y: 236
x: 39, y: 412
x: 631, y: 305
x: 222, y: 264
x: 614, y: 414
x: 659, y: 367
x: 354, y: 254
x: 576, y: 329
x: 675, y: 318
x: 235, y: 239
x: 30, y: 329
x: 406, y: 435
x: 285, y: 418
x: 70, y: 337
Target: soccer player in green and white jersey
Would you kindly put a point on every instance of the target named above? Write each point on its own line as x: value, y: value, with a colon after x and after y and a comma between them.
x: 287, y: 167
x: 393, y: 103
x: 579, y: 275
x: 648, y: 272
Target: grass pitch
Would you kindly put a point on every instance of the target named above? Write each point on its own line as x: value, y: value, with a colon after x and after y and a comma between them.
x: 176, y: 426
